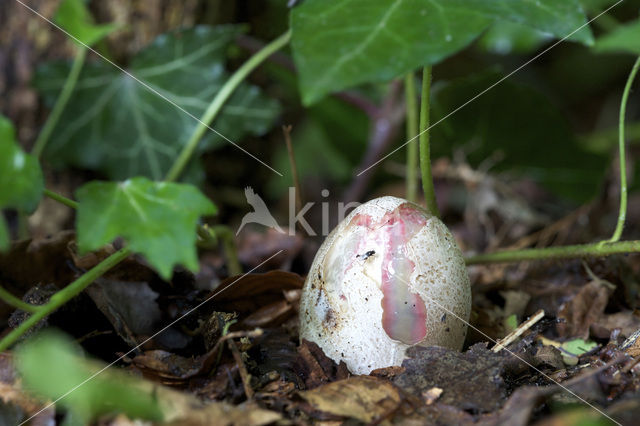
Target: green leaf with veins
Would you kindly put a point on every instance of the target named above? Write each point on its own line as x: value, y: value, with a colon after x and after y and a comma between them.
x: 74, y: 17
x: 51, y: 365
x: 342, y: 43
x: 624, y: 39
x: 21, y: 181
x: 115, y: 125
x: 156, y: 219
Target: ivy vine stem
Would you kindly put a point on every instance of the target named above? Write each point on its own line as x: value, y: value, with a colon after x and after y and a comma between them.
x: 218, y: 101
x: 63, y: 296
x: 622, y: 214
x: 60, y: 198
x: 61, y: 102
x: 411, y: 97
x: 12, y: 300
x: 425, y: 147
x: 560, y: 252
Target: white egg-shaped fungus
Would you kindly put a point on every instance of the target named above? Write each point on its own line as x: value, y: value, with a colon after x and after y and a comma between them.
x: 388, y: 277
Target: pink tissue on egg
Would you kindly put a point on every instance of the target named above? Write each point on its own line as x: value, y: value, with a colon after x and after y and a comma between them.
x: 404, y: 313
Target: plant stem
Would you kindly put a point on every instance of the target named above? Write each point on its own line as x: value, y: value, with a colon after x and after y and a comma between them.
x: 411, y: 95
x: 61, y: 199
x: 221, y: 97
x: 425, y: 149
x: 561, y: 252
x: 12, y: 300
x: 622, y: 214
x: 61, y: 102
x: 226, y: 236
x: 63, y: 296
x: 286, y: 130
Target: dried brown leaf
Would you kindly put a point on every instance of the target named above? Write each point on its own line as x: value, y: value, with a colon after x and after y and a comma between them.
x: 363, y: 398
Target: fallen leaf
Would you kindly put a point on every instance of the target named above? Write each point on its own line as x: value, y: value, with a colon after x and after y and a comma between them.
x: 583, y: 310
x: 316, y: 368
x: 363, y: 398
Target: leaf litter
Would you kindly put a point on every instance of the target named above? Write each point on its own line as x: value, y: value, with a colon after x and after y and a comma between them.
x: 587, y: 342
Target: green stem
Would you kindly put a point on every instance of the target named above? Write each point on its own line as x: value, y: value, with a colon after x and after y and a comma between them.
x: 61, y: 199
x: 225, y: 235
x: 221, y: 97
x: 425, y: 149
x: 412, y: 130
x: 61, y: 102
x: 12, y: 300
x: 561, y: 252
x: 622, y: 214
x: 63, y: 296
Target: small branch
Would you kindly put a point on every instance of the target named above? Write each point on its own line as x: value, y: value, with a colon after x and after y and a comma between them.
x: 244, y: 374
x: 61, y: 102
x: 286, y: 130
x: 425, y: 148
x: 61, y: 199
x: 410, y: 95
x: 509, y: 338
x: 12, y: 300
x: 622, y: 213
x: 218, y: 101
x: 63, y: 296
x: 561, y: 252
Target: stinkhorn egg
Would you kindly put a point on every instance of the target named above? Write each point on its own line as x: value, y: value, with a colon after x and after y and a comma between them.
x: 388, y: 277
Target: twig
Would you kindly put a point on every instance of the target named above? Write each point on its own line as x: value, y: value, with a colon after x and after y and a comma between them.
x: 509, y: 338
x: 242, y: 369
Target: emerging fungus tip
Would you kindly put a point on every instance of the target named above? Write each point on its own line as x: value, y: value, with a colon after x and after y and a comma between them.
x: 384, y: 280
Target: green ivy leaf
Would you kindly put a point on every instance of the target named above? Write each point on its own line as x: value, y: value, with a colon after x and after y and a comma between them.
x: 156, y: 219
x: 520, y: 125
x: 21, y: 181
x: 342, y: 43
x: 625, y: 39
x: 74, y: 17
x: 51, y: 365
x: 115, y: 125
x: 506, y: 38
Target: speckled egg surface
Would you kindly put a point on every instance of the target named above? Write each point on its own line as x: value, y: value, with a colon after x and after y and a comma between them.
x: 388, y: 277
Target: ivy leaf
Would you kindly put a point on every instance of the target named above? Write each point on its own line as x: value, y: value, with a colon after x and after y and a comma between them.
x: 625, y: 39
x: 523, y: 127
x: 74, y: 17
x: 504, y: 38
x: 342, y: 43
x: 156, y: 219
x: 21, y: 181
x: 51, y: 365
x: 115, y: 125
